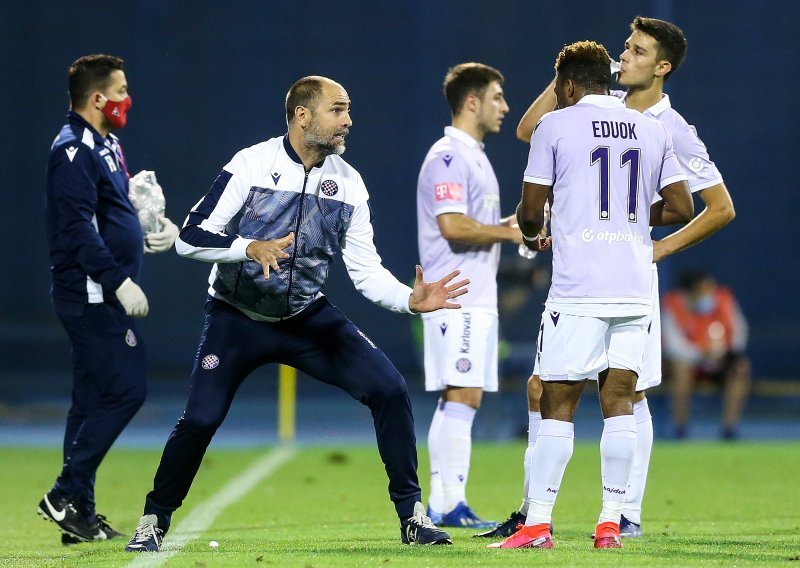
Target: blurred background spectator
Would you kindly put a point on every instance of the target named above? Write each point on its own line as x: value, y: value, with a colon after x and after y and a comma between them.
x: 705, y: 335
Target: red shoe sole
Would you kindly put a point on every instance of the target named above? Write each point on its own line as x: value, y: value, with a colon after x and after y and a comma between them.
x: 526, y: 542
x: 607, y: 542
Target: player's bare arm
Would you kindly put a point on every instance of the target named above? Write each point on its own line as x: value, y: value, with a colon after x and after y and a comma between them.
x: 531, y: 217
x: 432, y: 296
x: 544, y: 103
x: 718, y: 212
x: 675, y: 206
x: 457, y: 227
x: 267, y: 253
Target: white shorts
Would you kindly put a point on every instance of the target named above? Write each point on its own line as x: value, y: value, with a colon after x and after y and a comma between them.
x: 461, y: 350
x: 575, y: 348
x: 651, y: 362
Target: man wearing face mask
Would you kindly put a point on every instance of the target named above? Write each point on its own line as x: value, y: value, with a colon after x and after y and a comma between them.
x: 96, y: 251
x: 704, y: 337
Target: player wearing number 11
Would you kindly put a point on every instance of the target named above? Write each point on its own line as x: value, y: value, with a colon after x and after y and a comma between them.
x: 601, y: 165
x: 653, y: 52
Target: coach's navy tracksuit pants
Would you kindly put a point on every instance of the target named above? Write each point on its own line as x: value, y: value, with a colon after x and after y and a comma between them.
x: 321, y: 342
x: 109, y: 385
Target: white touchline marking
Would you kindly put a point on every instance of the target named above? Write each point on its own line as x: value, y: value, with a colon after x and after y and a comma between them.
x: 202, y: 516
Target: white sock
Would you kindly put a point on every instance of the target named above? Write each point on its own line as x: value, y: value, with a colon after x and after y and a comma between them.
x: 534, y: 421
x: 632, y: 509
x: 455, y: 443
x: 617, y: 450
x: 436, y: 495
x: 549, y: 460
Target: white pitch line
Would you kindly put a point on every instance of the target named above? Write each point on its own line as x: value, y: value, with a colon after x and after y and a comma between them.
x: 203, y: 516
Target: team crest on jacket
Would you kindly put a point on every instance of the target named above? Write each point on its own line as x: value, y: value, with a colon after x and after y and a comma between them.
x: 463, y: 365
x: 210, y: 362
x: 329, y: 187
x: 130, y: 338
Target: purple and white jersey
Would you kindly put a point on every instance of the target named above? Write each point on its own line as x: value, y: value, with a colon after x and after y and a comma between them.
x: 605, y: 164
x: 689, y: 149
x: 456, y: 177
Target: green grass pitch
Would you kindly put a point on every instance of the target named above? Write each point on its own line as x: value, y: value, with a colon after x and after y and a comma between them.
x: 706, y: 505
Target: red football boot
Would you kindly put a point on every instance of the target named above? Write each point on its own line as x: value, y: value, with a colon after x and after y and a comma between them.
x: 528, y: 536
x: 606, y: 535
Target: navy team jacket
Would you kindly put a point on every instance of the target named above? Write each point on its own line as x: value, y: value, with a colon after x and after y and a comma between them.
x: 93, y: 231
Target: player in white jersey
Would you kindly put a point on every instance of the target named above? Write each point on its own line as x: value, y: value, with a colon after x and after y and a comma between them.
x: 654, y: 50
x: 600, y: 166
x: 458, y: 217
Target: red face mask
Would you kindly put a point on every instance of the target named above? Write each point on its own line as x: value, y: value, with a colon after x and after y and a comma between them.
x: 117, y: 111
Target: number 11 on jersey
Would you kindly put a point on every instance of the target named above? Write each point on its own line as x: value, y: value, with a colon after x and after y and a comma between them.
x: 630, y: 158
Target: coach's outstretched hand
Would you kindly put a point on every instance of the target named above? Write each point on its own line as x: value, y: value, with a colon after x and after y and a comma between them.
x: 432, y: 296
x: 267, y: 253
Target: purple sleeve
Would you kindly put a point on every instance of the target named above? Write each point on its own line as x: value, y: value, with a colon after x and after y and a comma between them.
x: 693, y: 156
x: 445, y: 180
x: 671, y: 170
x: 541, y: 157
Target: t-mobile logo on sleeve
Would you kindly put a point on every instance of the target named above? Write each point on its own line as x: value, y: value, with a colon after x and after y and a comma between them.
x: 448, y: 190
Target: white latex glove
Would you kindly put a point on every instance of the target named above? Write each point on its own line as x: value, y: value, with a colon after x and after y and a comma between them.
x: 132, y: 298
x: 163, y: 240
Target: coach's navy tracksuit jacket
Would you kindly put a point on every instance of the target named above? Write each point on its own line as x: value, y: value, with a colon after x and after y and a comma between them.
x: 264, y: 193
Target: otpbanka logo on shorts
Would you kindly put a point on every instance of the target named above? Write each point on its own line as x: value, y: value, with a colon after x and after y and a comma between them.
x: 610, y: 237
